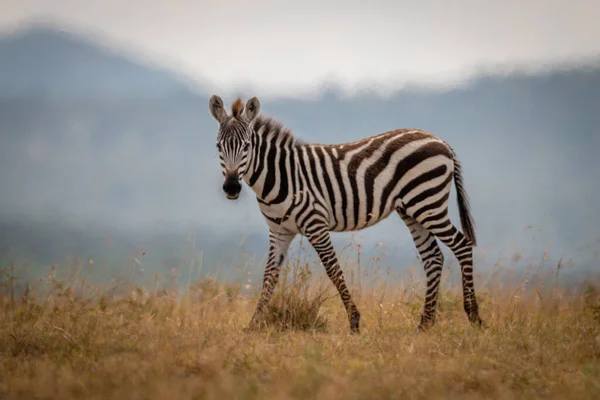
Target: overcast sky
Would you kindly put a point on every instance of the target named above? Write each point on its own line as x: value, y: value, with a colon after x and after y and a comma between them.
x: 527, y: 145
x: 289, y: 48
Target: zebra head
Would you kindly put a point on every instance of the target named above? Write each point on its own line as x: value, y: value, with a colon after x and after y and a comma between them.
x: 234, y: 140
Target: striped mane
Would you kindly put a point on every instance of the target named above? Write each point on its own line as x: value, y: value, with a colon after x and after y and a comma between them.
x: 275, y: 127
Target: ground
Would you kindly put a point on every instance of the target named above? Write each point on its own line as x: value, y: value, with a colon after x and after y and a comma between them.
x: 542, y: 342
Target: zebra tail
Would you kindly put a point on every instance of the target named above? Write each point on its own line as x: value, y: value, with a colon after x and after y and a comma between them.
x: 464, y: 207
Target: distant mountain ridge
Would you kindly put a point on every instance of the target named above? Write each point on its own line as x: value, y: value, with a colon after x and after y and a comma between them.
x: 105, y: 143
x: 49, y: 62
x: 46, y: 60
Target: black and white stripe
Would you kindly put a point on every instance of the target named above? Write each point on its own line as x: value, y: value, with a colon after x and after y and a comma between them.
x: 312, y: 189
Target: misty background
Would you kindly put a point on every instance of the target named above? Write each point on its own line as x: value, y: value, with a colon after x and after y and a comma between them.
x: 103, y: 153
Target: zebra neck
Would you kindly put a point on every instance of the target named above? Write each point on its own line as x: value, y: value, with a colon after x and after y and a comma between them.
x: 273, y: 166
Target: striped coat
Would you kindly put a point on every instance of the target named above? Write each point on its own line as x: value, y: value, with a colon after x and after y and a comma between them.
x: 313, y: 189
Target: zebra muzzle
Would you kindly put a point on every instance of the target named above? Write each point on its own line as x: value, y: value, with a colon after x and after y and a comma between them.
x: 232, y: 187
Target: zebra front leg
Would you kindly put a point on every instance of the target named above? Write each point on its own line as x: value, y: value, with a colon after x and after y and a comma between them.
x: 279, y: 243
x: 433, y: 261
x: 321, y: 242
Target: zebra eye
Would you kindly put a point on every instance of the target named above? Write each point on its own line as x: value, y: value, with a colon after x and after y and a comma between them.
x: 246, y: 145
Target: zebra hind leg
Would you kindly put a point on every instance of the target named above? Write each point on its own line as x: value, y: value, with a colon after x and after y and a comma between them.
x: 433, y: 261
x: 461, y: 247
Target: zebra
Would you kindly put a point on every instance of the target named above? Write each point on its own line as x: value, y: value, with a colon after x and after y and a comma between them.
x: 312, y: 189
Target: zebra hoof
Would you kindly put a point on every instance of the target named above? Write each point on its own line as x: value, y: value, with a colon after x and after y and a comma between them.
x: 478, y: 323
x: 253, y: 326
x: 355, y: 323
x: 425, y: 325
x: 354, y: 328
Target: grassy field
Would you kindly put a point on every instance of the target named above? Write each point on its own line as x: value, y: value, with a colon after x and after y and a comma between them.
x: 76, y: 341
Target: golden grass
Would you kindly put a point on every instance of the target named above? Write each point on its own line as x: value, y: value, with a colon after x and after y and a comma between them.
x: 542, y: 342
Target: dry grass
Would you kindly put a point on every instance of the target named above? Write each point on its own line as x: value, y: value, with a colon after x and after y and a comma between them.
x: 542, y: 343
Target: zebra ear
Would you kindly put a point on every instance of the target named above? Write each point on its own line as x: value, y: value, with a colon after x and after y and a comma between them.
x: 252, y: 108
x: 217, y: 110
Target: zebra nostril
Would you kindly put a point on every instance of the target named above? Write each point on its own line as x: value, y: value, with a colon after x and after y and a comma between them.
x: 232, y: 186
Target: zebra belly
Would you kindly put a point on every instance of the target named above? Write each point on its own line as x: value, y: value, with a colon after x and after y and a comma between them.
x: 362, y: 223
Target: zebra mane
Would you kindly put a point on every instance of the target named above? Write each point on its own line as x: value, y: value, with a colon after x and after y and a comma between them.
x: 275, y: 127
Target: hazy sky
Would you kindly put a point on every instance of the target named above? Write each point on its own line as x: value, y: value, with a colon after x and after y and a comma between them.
x: 288, y: 48
x: 527, y: 143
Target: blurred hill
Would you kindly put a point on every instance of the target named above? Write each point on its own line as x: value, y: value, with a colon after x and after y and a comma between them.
x: 96, y: 143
